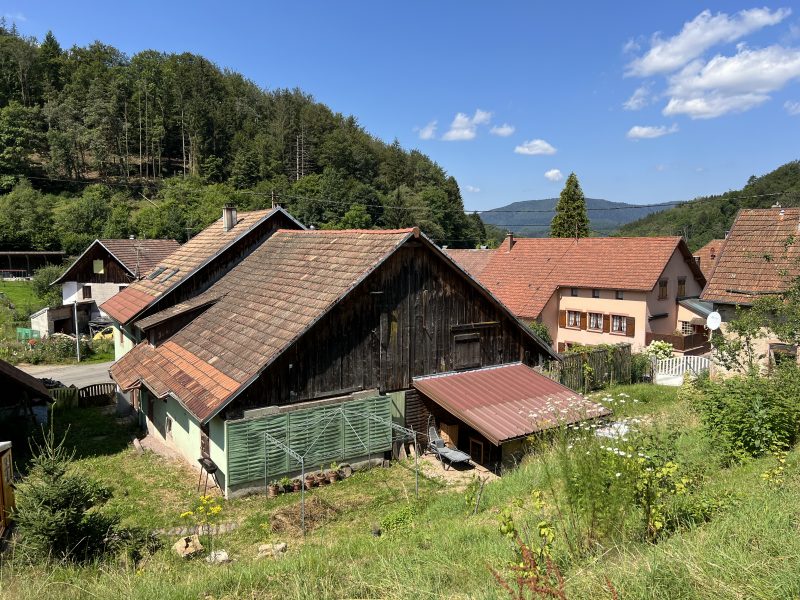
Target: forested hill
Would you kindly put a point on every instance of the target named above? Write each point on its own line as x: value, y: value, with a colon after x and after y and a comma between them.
x: 532, y: 217
x: 170, y: 138
x: 706, y: 218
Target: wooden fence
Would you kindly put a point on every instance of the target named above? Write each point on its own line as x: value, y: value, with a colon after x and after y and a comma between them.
x: 593, y: 369
x: 99, y: 394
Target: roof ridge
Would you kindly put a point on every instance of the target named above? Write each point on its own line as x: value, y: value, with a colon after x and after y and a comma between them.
x: 339, y: 231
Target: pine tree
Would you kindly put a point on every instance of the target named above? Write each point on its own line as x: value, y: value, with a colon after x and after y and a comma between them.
x: 571, y: 219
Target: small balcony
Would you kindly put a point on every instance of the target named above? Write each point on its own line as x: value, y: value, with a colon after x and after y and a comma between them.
x: 694, y: 343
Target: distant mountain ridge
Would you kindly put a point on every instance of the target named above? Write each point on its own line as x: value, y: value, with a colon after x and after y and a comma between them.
x: 605, y: 216
x: 706, y: 218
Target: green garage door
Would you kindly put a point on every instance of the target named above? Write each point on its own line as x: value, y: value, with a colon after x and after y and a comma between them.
x: 334, y: 432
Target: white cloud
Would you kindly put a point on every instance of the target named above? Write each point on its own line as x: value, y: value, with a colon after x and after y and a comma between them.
x: 428, y: 132
x: 535, y: 147
x: 465, y: 127
x: 639, y: 99
x: 728, y: 84
x: 661, y: 168
x: 472, y: 189
x: 649, y: 132
x: 700, y: 34
x: 793, y: 108
x: 503, y: 130
x: 553, y: 175
x: 631, y: 46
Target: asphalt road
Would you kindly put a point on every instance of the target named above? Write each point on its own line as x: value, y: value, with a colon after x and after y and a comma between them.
x: 77, y: 375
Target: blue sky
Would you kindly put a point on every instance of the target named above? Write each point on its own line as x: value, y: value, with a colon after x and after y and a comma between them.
x: 507, y: 96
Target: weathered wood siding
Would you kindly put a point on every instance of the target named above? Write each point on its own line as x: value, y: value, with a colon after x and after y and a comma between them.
x: 113, y: 271
x: 401, y: 322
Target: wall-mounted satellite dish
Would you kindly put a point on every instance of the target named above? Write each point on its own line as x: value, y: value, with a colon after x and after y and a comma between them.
x: 713, y: 321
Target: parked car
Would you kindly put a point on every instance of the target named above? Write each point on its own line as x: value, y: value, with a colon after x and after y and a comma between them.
x: 107, y: 333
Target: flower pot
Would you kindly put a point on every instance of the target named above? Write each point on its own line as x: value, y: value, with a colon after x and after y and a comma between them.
x: 272, y: 491
x: 333, y: 476
x: 297, y: 485
x: 321, y: 479
x: 310, y: 482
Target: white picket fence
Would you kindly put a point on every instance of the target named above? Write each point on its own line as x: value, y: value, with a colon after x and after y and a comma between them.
x: 670, y: 371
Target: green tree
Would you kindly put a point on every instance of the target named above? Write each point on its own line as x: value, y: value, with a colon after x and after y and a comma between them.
x: 41, y: 284
x: 571, y: 219
x: 20, y: 136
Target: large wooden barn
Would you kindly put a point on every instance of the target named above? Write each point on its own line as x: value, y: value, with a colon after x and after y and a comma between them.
x: 317, y: 339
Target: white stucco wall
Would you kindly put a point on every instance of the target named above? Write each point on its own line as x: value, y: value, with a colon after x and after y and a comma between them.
x: 633, y: 304
x: 123, y: 342
x: 184, y: 435
x: 73, y: 290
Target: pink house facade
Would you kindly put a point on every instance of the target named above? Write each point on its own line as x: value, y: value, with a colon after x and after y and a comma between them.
x: 599, y: 290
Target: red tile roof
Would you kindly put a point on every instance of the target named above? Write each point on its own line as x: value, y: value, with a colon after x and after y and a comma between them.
x: 180, y: 265
x: 266, y: 302
x: 472, y: 261
x: 525, y: 277
x: 507, y: 401
x: 761, y: 256
x: 708, y: 255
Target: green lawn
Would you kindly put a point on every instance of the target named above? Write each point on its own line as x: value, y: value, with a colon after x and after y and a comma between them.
x: 20, y: 294
x: 432, y: 548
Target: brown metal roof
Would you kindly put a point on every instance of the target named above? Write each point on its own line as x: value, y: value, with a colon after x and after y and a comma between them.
x: 16, y: 379
x: 507, y: 401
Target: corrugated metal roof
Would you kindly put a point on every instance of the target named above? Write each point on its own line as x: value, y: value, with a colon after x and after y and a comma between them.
x: 507, y: 401
x: 697, y: 306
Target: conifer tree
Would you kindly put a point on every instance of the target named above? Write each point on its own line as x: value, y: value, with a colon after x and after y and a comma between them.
x: 571, y: 219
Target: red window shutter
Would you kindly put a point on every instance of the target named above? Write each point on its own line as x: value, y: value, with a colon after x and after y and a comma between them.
x: 606, y: 323
x: 631, y: 327
x: 584, y: 318
x: 562, y: 318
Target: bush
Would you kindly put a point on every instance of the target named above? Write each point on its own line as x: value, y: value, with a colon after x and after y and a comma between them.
x: 542, y: 331
x: 52, y: 349
x: 751, y: 415
x: 57, y: 512
x: 659, y: 350
x: 641, y: 367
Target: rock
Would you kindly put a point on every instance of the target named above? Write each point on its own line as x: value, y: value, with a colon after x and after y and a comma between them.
x: 272, y: 550
x: 412, y: 451
x: 138, y: 445
x: 188, y: 546
x: 346, y: 470
x: 218, y: 557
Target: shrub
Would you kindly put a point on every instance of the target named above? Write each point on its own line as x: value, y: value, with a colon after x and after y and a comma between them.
x: 659, y: 350
x: 750, y: 415
x: 641, y: 367
x: 54, y: 515
x: 58, y: 514
x: 542, y: 331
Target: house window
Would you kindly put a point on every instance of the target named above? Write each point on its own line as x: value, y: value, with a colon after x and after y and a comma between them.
x: 573, y: 291
x: 596, y: 321
x: 169, y: 426
x: 782, y: 354
x: 595, y: 293
x: 86, y: 292
x: 204, y: 441
x: 476, y: 450
x: 687, y: 328
x: 98, y: 267
x: 681, y: 286
x: 573, y: 319
x: 619, y: 295
x: 619, y: 324
x: 663, y: 290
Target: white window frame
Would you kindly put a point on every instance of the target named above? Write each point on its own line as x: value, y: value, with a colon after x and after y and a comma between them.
x: 619, y: 324
x: 598, y: 321
x: 574, y: 319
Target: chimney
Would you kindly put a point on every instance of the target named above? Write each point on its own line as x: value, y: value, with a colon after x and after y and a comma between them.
x: 228, y: 217
x: 509, y: 241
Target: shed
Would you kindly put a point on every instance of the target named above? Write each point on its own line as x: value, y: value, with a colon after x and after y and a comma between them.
x: 489, y: 412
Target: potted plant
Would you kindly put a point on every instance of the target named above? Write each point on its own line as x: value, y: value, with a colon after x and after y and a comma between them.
x: 272, y: 489
x: 311, y: 481
x: 286, y: 484
x: 333, y: 474
x: 297, y: 485
x: 320, y: 476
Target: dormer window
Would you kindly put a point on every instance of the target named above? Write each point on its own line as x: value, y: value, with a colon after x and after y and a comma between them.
x: 98, y: 267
